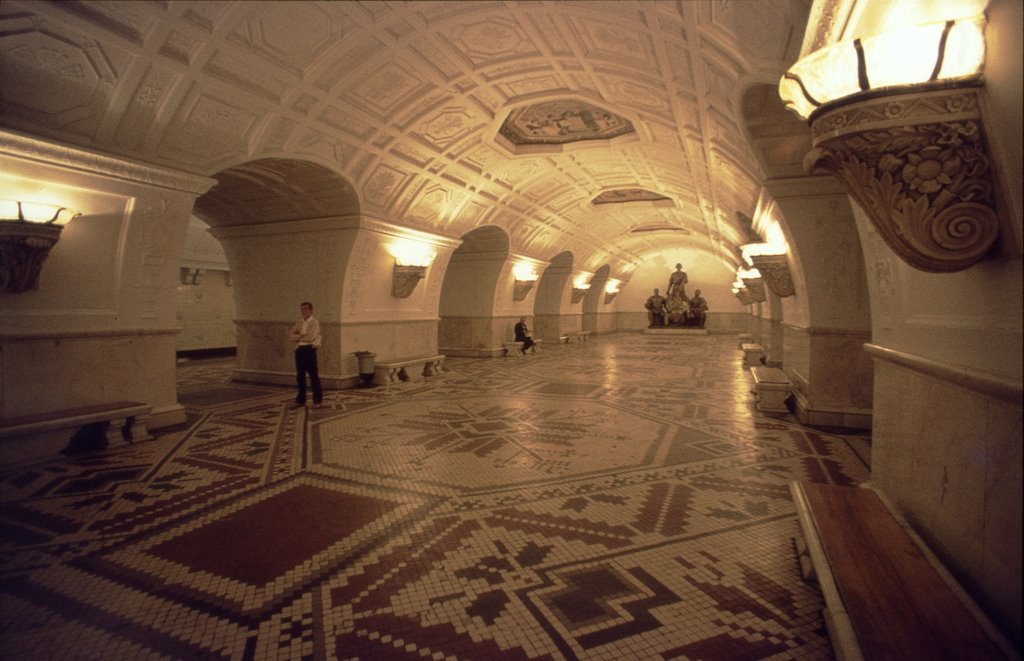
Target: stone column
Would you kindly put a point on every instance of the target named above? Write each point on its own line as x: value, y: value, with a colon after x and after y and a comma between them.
x: 101, y: 324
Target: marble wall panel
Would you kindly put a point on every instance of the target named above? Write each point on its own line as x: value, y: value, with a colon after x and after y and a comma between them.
x: 81, y: 369
x: 470, y: 333
x: 948, y: 456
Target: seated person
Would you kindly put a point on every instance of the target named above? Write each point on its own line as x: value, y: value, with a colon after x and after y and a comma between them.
x: 523, y: 335
x: 698, y: 309
x: 655, y: 306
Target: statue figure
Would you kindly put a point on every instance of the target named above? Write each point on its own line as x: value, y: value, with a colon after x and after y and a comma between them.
x: 677, y: 283
x: 698, y: 309
x: 655, y: 306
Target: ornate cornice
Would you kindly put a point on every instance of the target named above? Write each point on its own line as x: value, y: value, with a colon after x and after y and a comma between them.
x: 36, y: 149
x: 919, y: 166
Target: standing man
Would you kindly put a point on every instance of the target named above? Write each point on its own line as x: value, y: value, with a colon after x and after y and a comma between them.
x: 306, y: 335
x: 523, y: 335
x: 677, y: 283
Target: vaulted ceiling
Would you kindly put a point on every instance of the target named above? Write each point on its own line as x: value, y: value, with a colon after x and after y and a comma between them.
x: 607, y: 129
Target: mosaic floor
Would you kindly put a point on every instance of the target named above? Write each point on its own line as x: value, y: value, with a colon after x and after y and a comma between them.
x: 616, y: 499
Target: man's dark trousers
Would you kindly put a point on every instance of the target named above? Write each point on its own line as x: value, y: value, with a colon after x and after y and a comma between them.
x: 305, y: 363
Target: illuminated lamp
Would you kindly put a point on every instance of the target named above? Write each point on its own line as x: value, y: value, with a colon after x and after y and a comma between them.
x: 896, y: 118
x: 27, y: 233
x: 411, y: 262
x: 770, y: 261
x: 754, y: 284
x: 611, y: 289
x: 525, y: 277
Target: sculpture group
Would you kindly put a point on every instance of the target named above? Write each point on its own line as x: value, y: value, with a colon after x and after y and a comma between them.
x: 675, y: 308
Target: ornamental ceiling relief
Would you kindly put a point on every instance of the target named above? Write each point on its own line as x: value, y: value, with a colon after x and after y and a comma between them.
x: 406, y: 99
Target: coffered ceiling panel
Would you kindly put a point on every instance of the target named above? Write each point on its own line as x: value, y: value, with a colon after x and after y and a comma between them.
x: 404, y: 103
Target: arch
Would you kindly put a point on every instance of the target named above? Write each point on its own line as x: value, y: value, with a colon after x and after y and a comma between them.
x: 272, y: 190
x: 468, y: 325
x: 593, y: 302
x: 553, y: 302
x: 827, y: 321
x: 282, y: 224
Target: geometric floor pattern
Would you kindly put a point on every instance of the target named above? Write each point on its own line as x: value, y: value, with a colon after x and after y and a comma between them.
x: 615, y: 499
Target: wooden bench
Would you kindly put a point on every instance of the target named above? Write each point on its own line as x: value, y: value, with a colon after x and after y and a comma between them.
x: 753, y: 354
x: 583, y: 336
x: 771, y: 388
x: 393, y: 371
x: 95, y: 427
x: 886, y: 596
x: 515, y: 345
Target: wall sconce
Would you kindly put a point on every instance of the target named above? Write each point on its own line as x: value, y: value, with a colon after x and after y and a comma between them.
x: 27, y: 232
x: 743, y: 295
x: 404, y: 279
x: 580, y: 287
x: 896, y: 118
x: 754, y: 284
x: 411, y: 262
x: 611, y: 288
x: 522, y: 288
x: 770, y: 261
x: 525, y: 275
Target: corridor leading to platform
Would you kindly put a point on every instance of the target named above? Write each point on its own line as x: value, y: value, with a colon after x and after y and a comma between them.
x: 619, y: 498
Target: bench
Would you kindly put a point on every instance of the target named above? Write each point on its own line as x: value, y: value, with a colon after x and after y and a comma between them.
x: 563, y: 339
x: 746, y: 338
x: 515, y: 345
x: 95, y: 427
x: 386, y: 372
x: 771, y: 389
x: 886, y: 596
x: 753, y: 354
x: 582, y: 336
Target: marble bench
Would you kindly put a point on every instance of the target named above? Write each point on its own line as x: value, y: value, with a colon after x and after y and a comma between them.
x: 394, y: 371
x: 771, y: 388
x: 746, y: 338
x: 886, y: 595
x: 753, y: 354
x: 516, y: 345
x: 94, y: 427
x: 583, y: 336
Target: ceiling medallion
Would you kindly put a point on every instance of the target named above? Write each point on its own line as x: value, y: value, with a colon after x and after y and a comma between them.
x: 562, y: 122
x: 628, y: 195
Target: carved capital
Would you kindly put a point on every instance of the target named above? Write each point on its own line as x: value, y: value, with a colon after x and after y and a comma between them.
x: 775, y: 271
x: 919, y: 166
x: 744, y: 296
x: 577, y: 294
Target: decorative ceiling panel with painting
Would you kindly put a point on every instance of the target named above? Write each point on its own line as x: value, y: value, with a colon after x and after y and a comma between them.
x: 444, y: 116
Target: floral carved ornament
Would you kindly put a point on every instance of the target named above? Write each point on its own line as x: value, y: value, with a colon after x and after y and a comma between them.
x: 919, y: 167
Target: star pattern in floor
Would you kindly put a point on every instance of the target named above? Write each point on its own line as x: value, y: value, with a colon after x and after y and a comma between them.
x: 619, y: 498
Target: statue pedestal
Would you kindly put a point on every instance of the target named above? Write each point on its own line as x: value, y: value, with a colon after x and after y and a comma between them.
x: 671, y: 330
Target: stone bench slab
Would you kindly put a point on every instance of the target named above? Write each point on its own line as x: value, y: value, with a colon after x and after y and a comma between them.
x: 95, y: 427
x: 753, y: 354
x: 772, y: 387
x: 406, y: 369
x: 886, y: 594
